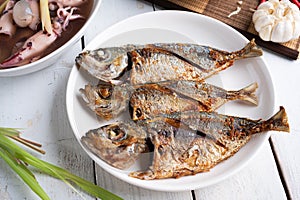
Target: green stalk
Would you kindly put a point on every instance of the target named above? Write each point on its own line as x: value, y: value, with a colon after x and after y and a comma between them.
x: 22, y: 171
x: 17, y: 153
x: 15, y: 134
x: 9, y: 132
x: 58, y: 172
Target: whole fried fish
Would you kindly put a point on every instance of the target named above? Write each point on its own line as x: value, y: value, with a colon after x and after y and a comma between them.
x: 194, y: 142
x: 160, y: 62
x: 152, y: 100
x: 119, y: 144
x: 109, y: 101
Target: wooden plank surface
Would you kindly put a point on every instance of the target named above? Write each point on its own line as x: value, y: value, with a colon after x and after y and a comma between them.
x: 36, y: 102
x: 128, y: 191
x: 221, y: 10
x: 287, y: 147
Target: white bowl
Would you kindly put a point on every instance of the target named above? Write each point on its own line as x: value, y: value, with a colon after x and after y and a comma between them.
x: 52, y: 57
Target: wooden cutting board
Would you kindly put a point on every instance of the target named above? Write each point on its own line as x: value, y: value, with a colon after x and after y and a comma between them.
x: 242, y: 21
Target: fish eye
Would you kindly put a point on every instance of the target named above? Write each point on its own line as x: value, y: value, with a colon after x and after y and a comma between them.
x: 116, y: 134
x: 138, y: 113
x: 105, y: 92
x: 103, y: 54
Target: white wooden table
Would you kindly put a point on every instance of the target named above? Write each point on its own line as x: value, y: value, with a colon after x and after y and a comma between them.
x: 36, y: 102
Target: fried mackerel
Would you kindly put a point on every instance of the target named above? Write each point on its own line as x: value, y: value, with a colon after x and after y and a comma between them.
x: 194, y: 142
x: 170, y: 97
x: 108, y: 101
x: 152, y: 63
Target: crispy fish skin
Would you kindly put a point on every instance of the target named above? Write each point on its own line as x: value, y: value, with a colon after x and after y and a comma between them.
x: 173, y: 62
x: 206, y: 57
x: 215, y: 125
x: 180, y: 152
x: 119, y: 144
x: 151, y: 100
x: 210, y: 95
x: 160, y: 61
x: 151, y: 65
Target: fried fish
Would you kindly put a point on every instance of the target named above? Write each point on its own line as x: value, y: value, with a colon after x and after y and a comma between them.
x: 194, y: 142
x: 172, y: 108
x: 108, y: 101
x: 151, y: 100
x: 160, y: 62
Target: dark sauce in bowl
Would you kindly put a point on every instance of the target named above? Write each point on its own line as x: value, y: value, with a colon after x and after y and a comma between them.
x: 7, y: 43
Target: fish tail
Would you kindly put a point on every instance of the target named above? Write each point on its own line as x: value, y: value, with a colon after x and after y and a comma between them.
x: 279, y: 122
x: 246, y: 94
x: 249, y: 51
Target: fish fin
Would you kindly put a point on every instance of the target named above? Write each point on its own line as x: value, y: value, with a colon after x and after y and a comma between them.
x: 279, y: 121
x: 249, y: 51
x: 246, y: 94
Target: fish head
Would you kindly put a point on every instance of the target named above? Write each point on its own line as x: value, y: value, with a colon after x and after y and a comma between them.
x: 104, y: 64
x: 119, y: 144
x: 97, y: 99
x: 105, y: 100
x: 96, y: 93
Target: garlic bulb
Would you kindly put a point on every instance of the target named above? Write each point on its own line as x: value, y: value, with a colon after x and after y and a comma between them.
x: 277, y: 21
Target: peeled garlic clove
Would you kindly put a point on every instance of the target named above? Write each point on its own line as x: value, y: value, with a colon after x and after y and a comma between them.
x: 22, y: 13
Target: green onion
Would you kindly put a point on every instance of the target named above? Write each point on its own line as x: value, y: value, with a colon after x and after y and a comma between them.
x: 3, y: 5
x: 18, y: 159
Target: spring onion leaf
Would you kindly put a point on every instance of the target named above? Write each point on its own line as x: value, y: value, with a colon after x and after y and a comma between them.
x: 25, y: 174
x: 9, y: 131
x: 16, y: 158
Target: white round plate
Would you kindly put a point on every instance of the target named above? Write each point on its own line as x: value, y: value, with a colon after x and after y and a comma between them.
x: 179, y: 26
x: 52, y: 57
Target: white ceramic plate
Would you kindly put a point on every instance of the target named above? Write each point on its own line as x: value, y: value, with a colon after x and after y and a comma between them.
x: 179, y: 26
x: 52, y: 57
